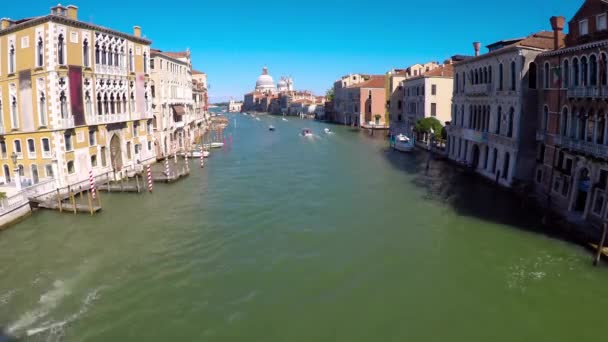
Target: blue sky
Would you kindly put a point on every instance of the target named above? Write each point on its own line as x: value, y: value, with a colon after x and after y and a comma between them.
x: 314, y: 41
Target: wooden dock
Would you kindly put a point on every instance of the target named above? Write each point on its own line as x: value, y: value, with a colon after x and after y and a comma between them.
x: 119, y: 188
x: 65, y: 207
x: 171, y: 178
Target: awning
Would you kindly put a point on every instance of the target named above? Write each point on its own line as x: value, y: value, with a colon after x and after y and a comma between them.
x: 178, y: 110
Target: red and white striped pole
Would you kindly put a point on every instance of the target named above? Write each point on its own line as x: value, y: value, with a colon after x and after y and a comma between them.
x: 167, y: 166
x: 186, y: 160
x: 149, y: 178
x: 92, y: 184
x: 202, y: 157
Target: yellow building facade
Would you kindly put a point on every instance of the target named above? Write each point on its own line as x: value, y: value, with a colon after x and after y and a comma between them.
x: 74, y: 97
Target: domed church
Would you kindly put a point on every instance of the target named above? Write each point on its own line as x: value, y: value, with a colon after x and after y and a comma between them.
x: 265, y: 83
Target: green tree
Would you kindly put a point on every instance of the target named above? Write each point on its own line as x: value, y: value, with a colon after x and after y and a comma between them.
x: 425, y: 125
x: 329, y: 94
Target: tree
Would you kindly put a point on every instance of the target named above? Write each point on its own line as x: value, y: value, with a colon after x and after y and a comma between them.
x: 425, y: 125
x: 329, y: 94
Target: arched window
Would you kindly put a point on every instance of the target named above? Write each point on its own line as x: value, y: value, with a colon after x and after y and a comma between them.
x: 131, y: 61
x: 463, y: 81
x: 505, y: 166
x: 566, y: 75
x: 97, y: 54
x: 63, y: 105
x: 106, y: 105
x: 546, y: 76
x: 494, y: 160
x: 462, y: 116
x: 486, y: 156
x: 603, y: 69
x: 489, y: 112
x: 11, y: 59
x: 584, y: 72
x: 7, y: 174
x: 513, y: 75
x: 99, y: 105
x: 600, y: 121
x: 104, y: 55
x: 593, y: 70
x: 500, y: 77
x: 545, y: 118
x: 485, y: 75
x: 86, y: 60
x: 532, y: 76
x: 42, y: 109
x: 456, y: 83
x: 88, y: 104
x: 564, y: 122
x: 498, y: 119
x: 40, y: 52
x: 61, y: 50
x: 575, y: 72
x: 112, y: 107
x: 511, y: 119
x: 572, y: 123
x: 476, y: 77
x: 110, y: 56
x: 582, y: 124
x: 145, y: 63
x: 14, y: 112
x: 124, y: 103
x: 490, y: 74
x: 116, y: 58
x: 590, y: 126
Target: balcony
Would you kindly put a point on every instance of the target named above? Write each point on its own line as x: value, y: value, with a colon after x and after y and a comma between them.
x: 179, y: 124
x: 588, y: 92
x: 476, y: 136
x: 66, y: 123
x: 479, y: 89
x: 497, y: 139
x: 109, y: 70
x: 105, y: 119
x: 586, y: 147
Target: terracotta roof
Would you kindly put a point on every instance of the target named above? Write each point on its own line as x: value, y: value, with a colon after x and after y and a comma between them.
x: 196, y: 72
x: 446, y: 70
x: 375, y: 81
x: 542, y: 40
x: 181, y: 54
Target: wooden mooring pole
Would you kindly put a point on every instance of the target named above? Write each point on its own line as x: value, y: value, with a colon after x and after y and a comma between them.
x: 137, y: 182
x: 90, y: 202
x: 73, y: 199
x: 59, y: 201
x: 600, y: 247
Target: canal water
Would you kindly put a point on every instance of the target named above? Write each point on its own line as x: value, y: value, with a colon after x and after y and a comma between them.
x: 286, y: 238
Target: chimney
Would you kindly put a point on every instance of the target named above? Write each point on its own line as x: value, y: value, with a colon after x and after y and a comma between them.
x: 557, y: 24
x: 476, y: 46
x: 5, y: 23
x: 137, y: 31
x: 73, y: 12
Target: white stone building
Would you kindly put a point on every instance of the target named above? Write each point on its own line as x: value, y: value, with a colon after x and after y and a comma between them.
x: 493, y: 114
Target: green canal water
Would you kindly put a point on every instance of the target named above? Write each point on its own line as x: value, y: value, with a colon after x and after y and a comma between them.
x: 286, y: 238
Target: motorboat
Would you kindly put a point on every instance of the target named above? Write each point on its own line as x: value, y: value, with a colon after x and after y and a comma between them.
x: 403, y: 143
x: 245, y: 113
x: 214, y: 145
x: 328, y: 131
x: 257, y: 119
x: 284, y: 119
x: 196, y: 153
x: 306, y: 132
x: 271, y: 128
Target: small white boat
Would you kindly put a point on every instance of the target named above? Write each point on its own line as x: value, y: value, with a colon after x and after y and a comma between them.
x: 284, y: 119
x: 245, y: 114
x: 403, y: 143
x: 197, y: 153
x: 328, y: 131
x: 257, y: 119
x: 214, y: 145
x: 271, y: 128
x: 306, y: 132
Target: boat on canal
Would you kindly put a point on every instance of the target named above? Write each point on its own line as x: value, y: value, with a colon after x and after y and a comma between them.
x: 306, y: 132
x: 328, y: 131
x: 271, y: 128
x: 214, y: 145
x: 403, y: 143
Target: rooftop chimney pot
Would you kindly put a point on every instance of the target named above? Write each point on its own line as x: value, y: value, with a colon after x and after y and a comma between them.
x: 476, y: 46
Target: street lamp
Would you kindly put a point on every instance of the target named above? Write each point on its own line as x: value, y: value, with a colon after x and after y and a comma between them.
x: 16, y: 171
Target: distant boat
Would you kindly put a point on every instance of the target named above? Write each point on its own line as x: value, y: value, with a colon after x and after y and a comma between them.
x: 306, y: 132
x: 403, y: 143
x: 328, y: 131
x: 245, y: 113
x: 284, y: 119
x: 271, y: 128
x: 214, y: 145
x: 257, y: 119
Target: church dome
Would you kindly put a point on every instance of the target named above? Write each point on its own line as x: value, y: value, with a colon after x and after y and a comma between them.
x: 282, y: 84
x: 265, y: 81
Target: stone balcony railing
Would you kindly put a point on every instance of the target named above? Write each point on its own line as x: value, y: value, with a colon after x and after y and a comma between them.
x: 479, y: 89
x: 588, y: 92
x: 66, y: 122
x: 587, y: 147
x: 110, y: 70
x: 107, y: 118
